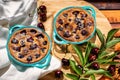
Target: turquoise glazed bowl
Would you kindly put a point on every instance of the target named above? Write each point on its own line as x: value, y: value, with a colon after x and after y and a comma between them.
x: 42, y: 64
x: 59, y: 40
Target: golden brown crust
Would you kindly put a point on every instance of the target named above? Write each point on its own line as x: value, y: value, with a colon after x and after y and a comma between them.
x: 30, y: 47
x: 72, y: 22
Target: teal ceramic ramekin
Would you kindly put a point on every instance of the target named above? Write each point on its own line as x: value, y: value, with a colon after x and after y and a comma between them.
x: 59, y: 40
x: 42, y: 64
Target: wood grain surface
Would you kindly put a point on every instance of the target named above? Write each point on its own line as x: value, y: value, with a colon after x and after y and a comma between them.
x: 53, y: 6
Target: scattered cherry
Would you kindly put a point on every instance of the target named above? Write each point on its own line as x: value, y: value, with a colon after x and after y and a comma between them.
x: 92, y: 57
x: 95, y: 66
x: 111, y: 69
x: 41, y: 26
x: 58, y: 74
x: 43, y: 8
x: 65, y: 62
x: 43, y: 17
x: 95, y: 50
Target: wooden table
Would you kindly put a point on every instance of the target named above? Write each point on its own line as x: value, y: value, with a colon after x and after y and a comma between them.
x: 53, y: 6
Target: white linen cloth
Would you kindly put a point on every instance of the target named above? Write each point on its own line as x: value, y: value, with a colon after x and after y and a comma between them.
x: 19, y: 12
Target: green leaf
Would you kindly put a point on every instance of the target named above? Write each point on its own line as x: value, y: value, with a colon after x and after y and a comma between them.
x: 87, y: 52
x: 108, y: 75
x: 72, y: 76
x: 111, y: 34
x: 112, y: 63
x: 102, y: 61
x: 100, y: 71
x: 75, y: 68
x: 112, y: 55
x: 79, y: 53
x: 93, y: 77
x: 101, y: 38
x: 112, y: 42
x: 102, y: 54
x: 84, y: 79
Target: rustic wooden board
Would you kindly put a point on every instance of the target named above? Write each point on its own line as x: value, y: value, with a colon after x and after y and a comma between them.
x: 53, y: 6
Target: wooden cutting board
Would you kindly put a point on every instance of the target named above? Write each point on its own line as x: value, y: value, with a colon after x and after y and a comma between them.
x: 53, y: 6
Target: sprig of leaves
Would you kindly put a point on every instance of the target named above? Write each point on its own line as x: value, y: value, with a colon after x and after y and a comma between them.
x: 104, y: 57
x: 79, y: 53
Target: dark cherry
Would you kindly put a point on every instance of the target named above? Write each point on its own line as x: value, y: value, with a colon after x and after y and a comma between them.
x: 14, y: 41
x: 43, y: 17
x: 95, y: 66
x: 92, y: 57
x: 33, y: 46
x: 22, y: 43
x: 66, y: 25
x: 43, y: 8
x: 84, y: 32
x: 77, y: 20
x: 29, y: 58
x: 40, y: 36
x: 20, y: 56
x: 80, y: 25
x: 65, y: 62
x: 75, y: 13
x: 23, y: 32
x: 45, y: 43
x: 60, y: 21
x: 75, y: 30
x: 60, y: 28
x: 119, y: 70
x: 95, y: 50
x: 58, y: 74
x: 83, y: 16
x: 33, y: 31
x: 66, y: 34
x: 89, y: 24
x: 17, y: 49
x: 37, y: 55
x: 30, y: 39
x: 41, y: 26
x: 69, y: 19
x: 25, y: 50
x: 43, y: 49
x: 77, y: 37
x: 65, y: 15
x: 112, y: 69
